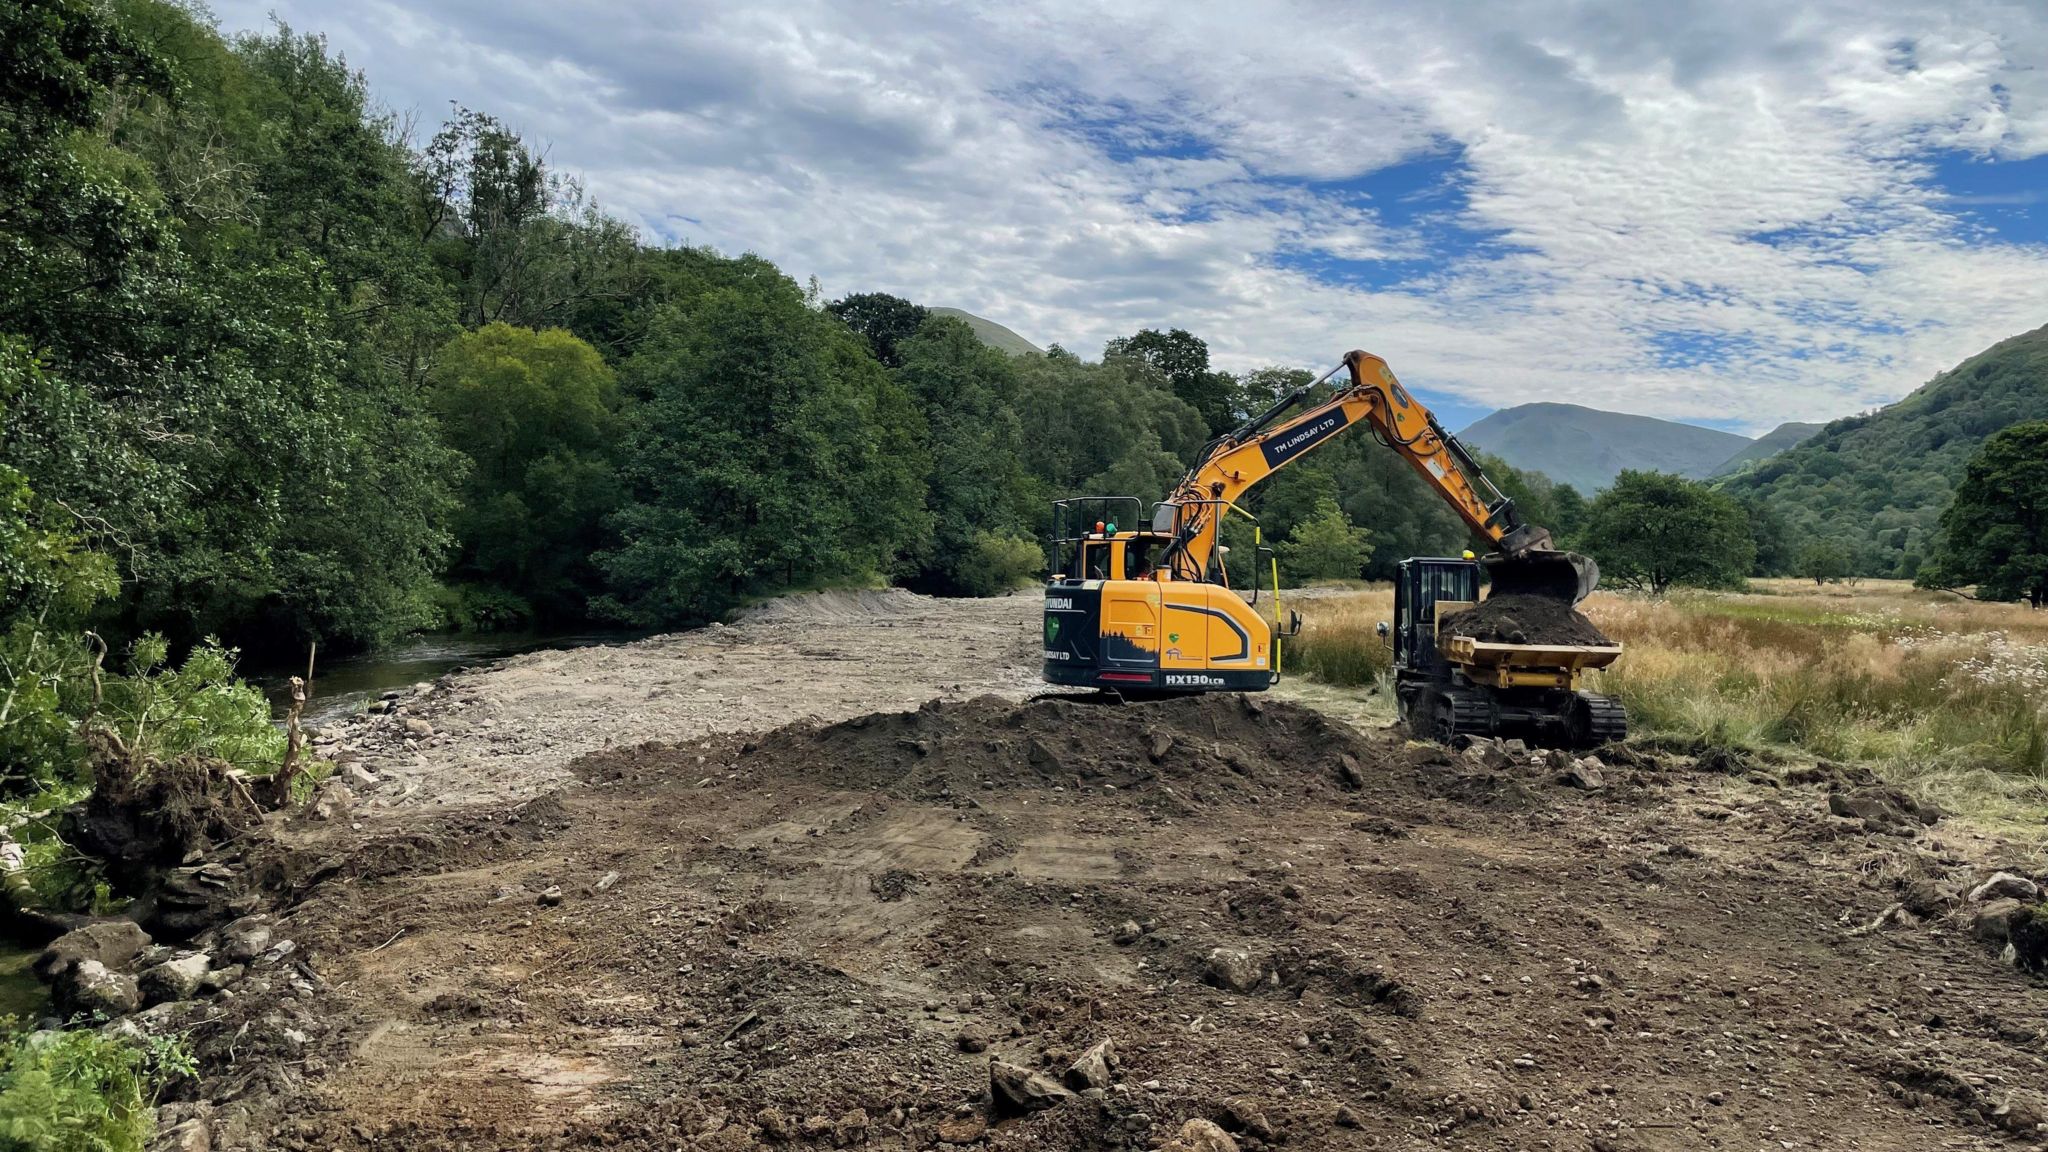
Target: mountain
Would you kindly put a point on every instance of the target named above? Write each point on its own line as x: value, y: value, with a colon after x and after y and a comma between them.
x: 1879, y: 482
x: 991, y: 333
x: 1587, y: 448
x: 1771, y: 443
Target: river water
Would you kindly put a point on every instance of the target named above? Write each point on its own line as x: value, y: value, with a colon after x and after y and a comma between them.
x: 342, y: 686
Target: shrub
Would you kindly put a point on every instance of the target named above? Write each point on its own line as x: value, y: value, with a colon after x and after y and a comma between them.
x: 79, y: 1091
x: 997, y: 563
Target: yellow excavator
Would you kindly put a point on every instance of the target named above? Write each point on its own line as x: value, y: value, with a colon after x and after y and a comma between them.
x: 1149, y: 610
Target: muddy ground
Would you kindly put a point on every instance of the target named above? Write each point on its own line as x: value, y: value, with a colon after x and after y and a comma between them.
x: 535, y: 931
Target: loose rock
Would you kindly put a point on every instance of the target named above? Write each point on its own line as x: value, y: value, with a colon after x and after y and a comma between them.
x: 1585, y: 775
x: 1091, y: 1068
x: 178, y: 979
x: 1200, y: 1136
x: 1017, y: 1089
x: 1231, y: 969
x: 2005, y: 884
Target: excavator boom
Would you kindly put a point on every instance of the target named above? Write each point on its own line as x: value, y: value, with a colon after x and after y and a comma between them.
x: 1525, y: 561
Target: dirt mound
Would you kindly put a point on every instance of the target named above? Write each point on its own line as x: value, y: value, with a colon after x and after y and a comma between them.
x: 1526, y: 619
x: 836, y: 605
x: 1225, y: 743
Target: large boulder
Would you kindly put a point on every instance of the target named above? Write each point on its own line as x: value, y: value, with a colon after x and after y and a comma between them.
x: 244, y: 940
x: 172, y: 980
x: 114, y: 943
x: 88, y: 987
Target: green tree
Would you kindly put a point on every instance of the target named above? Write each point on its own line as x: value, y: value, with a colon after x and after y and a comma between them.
x: 1995, y: 534
x: 884, y: 321
x: 1823, y: 561
x: 1182, y: 359
x: 769, y: 450
x: 1653, y: 530
x: 976, y: 489
x: 536, y: 413
x: 1325, y: 546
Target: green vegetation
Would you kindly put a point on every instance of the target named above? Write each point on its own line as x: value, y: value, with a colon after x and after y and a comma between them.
x: 1652, y: 530
x: 1787, y: 435
x: 1882, y: 481
x: 79, y: 1091
x: 1325, y: 546
x: 1995, y: 535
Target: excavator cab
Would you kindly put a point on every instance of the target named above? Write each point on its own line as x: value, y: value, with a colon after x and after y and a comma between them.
x: 1123, y: 614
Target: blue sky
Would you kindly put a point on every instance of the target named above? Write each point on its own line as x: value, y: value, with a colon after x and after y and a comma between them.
x: 1732, y: 212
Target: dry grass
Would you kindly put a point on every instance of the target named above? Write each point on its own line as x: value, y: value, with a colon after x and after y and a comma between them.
x: 1947, y: 695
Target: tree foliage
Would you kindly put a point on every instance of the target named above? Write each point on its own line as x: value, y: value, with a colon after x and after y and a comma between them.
x: 1882, y: 480
x: 768, y: 450
x: 1653, y: 530
x: 1325, y: 546
x: 1995, y: 534
x: 537, y: 415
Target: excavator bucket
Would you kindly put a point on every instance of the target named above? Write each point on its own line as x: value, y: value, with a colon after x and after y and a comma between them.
x: 1565, y: 576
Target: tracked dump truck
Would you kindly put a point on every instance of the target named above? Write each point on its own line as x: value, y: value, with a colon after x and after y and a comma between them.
x: 1449, y: 683
x: 1141, y: 601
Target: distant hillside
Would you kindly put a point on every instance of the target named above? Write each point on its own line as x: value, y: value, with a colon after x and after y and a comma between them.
x: 1881, y: 481
x: 1587, y: 448
x: 1778, y: 439
x: 991, y: 333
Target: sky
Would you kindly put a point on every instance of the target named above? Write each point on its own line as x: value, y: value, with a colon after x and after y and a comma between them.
x: 1732, y: 213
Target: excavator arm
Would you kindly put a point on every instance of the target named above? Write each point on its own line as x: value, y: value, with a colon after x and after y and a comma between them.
x: 1525, y: 560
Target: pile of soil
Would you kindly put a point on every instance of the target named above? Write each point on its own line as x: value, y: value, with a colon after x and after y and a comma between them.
x: 1227, y: 743
x: 1527, y: 619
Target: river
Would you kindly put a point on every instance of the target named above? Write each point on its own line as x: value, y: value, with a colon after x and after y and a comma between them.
x: 343, y: 685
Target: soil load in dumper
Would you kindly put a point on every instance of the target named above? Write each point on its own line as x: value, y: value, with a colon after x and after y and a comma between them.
x: 1526, y: 618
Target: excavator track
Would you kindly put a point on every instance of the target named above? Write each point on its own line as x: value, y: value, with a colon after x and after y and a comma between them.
x: 1462, y: 712
x: 1597, y: 720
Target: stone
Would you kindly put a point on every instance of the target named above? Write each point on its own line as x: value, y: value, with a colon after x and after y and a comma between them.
x: 1231, y: 969
x: 335, y: 799
x: 1349, y: 770
x: 972, y: 1038
x: 114, y: 943
x: 1926, y: 899
x: 190, y: 1136
x: 1347, y: 1118
x: 1127, y: 933
x: 1993, y: 921
x: 2005, y: 884
x: 1159, y: 745
x: 2017, y: 1114
x: 1091, y: 1068
x: 1017, y: 1089
x: 243, y: 940
x: 221, y: 978
x: 417, y: 728
x: 1584, y: 775
x: 967, y: 1129
x: 1244, y: 1114
x: 88, y: 987
x: 550, y: 896
x: 173, y: 980
x: 1200, y: 1136
x: 361, y: 777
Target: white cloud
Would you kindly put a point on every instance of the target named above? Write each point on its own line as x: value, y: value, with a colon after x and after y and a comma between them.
x: 1743, y: 178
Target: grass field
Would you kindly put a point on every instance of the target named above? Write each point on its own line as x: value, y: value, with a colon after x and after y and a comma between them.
x: 1946, y: 695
